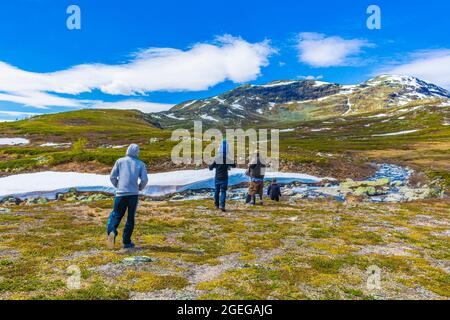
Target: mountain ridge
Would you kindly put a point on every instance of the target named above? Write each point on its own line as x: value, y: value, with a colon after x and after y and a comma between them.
x: 284, y: 101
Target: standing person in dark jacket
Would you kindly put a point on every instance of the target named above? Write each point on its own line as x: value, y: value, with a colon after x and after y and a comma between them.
x: 274, y: 191
x: 256, y: 171
x: 222, y: 164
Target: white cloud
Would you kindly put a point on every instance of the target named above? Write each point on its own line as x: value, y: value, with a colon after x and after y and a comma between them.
x: 18, y: 113
x: 144, y: 106
x: 428, y: 65
x: 41, y: 100
x: 318, y: 50
x: 310, y: 77
x: 155, y: 69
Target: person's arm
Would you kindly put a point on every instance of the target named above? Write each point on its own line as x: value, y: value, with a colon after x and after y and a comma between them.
x: 143, y: 177
x: 114, y: 177
x: 268, y: 190
x: 232, y: 164
x: 212, y: 166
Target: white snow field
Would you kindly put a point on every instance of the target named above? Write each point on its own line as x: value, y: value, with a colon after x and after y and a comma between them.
x: 13, y: 141
x: 49, y: 183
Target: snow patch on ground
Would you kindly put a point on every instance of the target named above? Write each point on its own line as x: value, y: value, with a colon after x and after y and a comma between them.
x: 381, y: 115
x: 349, y: 106
x: 395, y: 133
x: 13, y: 141
x: 55, y: 145
x: 49, y: 183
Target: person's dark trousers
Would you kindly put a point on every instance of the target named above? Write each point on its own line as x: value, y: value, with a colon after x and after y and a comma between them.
x: 275, y: 198
x: 121, y: 205
x: 220, y: 193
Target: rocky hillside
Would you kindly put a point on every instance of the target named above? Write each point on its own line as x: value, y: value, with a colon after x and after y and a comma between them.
x: 298, y: 101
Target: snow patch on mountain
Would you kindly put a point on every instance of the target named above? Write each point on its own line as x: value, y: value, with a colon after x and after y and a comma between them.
x: 277, y: 84
x: 209, y: 118
x: 189, y: 104
x: 172, y: 116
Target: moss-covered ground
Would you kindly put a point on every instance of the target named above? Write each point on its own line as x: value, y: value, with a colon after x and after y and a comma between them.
x: 290, y: 250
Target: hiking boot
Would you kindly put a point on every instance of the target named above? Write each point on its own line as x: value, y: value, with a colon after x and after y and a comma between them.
x: 130, y: 245
x: 223, y: 210
x: 111, y: 240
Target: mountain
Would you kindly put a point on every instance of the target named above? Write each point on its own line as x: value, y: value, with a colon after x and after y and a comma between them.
x: 298, y: 101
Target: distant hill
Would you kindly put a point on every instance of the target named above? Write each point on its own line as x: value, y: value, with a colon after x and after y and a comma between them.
x: 98, y: 126
x: 289, y: 101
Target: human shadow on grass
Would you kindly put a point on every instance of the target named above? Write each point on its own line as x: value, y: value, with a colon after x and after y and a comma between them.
x: 165, y: 249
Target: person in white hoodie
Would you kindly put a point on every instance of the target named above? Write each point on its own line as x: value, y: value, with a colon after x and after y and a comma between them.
x: 129, y: 177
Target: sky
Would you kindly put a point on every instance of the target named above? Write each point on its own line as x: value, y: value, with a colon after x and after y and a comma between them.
x: 151, y: 55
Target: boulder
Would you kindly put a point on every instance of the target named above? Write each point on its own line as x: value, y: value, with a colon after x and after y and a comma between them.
x: 41, y: 201
x: 287, y: 192
x: 11, y: 201
x: 136, y: 260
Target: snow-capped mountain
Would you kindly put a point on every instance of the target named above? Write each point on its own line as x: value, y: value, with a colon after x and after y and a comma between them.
x: 300, y: 100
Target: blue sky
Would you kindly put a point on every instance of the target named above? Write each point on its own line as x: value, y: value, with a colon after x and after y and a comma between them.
x: 153, y: 54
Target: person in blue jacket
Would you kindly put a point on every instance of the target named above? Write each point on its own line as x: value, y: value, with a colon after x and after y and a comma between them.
x: 222, y: 164
x: 129, y: 177
x: 274, y: 191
